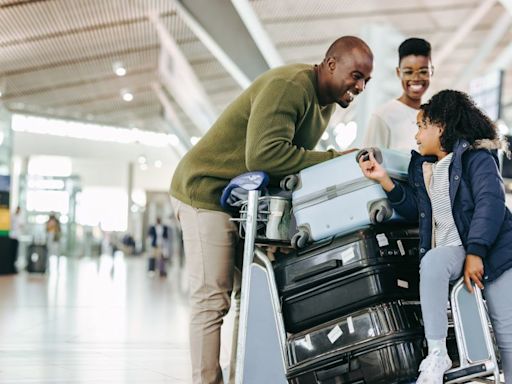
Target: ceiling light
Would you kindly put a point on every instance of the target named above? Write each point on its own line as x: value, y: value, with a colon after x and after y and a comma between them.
x: 143, y: 167
x: 158, y: 164
x: 142, y: 159
x: 119, y: 68
x: 126, y: 95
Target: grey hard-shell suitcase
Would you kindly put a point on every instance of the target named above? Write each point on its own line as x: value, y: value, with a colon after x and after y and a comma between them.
x: 334, y: 197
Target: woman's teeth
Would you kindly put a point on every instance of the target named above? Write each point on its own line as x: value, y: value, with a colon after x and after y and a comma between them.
x: 416, y: 87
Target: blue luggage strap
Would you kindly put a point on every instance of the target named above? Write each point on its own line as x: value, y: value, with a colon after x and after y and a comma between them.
x: 237, y: 190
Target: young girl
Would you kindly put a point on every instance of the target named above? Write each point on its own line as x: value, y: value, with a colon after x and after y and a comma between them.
x: 456, y: 191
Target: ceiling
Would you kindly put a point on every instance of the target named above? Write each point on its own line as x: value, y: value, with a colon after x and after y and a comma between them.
x: 57, y: 56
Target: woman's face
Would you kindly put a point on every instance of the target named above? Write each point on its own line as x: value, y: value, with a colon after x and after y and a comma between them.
x: 428, y: 136
x: 414, y: 73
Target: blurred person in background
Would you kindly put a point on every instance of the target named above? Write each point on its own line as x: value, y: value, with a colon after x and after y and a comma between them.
x: 53, y: 233
x: 159, y: 235
x: 17, y: 225
x: 393, y: 124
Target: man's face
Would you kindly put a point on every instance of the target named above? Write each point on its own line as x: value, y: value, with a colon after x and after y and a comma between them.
x: 348, y: 76
x: 414, y: 73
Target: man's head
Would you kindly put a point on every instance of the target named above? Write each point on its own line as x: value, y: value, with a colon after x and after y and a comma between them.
x: 414, y: 67
x: 158, y: 221
x: 345, y: 71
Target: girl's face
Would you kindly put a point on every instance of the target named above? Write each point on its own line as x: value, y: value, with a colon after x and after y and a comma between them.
x: 428, y: 137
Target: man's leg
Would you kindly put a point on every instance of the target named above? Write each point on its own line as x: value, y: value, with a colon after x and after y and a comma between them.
x: 210, y: 244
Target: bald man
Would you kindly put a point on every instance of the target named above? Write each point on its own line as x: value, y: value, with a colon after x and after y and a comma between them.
x: 272, y: 126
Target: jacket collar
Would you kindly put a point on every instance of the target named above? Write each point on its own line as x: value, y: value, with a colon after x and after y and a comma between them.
x: 461, y: 146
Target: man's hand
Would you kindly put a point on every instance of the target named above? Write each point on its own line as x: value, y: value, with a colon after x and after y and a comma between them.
x: 473, y: 271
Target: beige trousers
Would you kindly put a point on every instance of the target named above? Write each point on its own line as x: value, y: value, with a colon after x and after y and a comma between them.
x: 212, y: 249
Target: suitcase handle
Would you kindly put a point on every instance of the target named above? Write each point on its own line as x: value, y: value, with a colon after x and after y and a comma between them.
x: 318, y: 269
x: 350, y: 372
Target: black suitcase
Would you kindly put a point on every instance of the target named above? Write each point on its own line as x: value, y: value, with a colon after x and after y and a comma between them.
x: 37, y: 258
x: 343, y: 295
x: 335, y: 257
x: 351, y: 330
x: 389, y: 360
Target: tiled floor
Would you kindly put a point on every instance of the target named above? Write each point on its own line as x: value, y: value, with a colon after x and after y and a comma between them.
x: 94, y: 320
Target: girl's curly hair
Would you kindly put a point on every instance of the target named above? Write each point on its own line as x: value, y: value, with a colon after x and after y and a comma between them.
x: 459, y: 116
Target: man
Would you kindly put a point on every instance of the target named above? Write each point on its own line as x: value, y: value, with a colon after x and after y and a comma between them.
x: 393, y: 125
x: 272, y: 126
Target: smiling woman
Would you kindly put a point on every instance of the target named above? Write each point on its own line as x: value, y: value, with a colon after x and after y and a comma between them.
x: 393, y: 125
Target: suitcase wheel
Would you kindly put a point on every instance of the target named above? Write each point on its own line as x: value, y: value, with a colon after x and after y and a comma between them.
x: 379, y: 212
x: 300, y: 239
x: 289, y: 183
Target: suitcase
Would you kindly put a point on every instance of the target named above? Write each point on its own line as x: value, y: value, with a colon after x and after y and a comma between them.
x: 342, y: 295
x: 37, y: 258
x: 334, y: 197
x: 334, y: 257
x: 351, y: 330
x: 392, y: 359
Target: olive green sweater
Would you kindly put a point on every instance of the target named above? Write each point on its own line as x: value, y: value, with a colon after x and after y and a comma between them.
x: 272, y: 126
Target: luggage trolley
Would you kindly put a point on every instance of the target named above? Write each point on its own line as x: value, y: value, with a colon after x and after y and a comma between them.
x: 262, y: 350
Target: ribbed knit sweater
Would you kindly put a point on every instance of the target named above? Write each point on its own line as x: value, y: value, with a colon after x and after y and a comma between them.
x: 272, y: 126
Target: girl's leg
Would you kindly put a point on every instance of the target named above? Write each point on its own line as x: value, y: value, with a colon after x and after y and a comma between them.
x: 438, y: 267
x: 500, y: 311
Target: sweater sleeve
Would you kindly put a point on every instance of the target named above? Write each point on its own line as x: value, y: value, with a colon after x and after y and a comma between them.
x: 275, y: 111
x: 377, y: 133
x: 489, y: 201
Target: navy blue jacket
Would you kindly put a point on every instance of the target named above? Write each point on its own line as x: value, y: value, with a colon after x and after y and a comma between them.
x: 477, y: 197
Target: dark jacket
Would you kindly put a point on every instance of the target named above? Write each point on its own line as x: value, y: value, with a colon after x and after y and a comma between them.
x: 152, y: 234
x: 477, y: 197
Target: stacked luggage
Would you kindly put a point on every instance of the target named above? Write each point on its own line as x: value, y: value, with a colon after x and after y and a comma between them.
x: 350, y: 299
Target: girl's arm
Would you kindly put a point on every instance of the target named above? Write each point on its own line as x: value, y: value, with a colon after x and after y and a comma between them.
x: 400, y: 195
x: 489, y: 201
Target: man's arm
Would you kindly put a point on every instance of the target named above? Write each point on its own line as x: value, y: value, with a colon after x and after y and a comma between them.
x: 271, y: 129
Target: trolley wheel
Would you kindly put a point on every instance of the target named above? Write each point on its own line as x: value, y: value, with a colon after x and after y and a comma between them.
x: 289, y: 183
x: 300, y: 239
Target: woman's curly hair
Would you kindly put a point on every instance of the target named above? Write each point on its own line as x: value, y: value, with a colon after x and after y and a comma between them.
x: 459, y: 116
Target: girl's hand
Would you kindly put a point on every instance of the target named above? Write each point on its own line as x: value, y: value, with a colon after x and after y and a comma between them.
x: 375, y: 171
x: 473, y: 271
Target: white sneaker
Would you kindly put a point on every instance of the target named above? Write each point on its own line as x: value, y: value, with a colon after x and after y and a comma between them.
x: 433, y: 367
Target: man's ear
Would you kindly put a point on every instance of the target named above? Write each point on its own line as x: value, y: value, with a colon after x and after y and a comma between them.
x: 397, y: 72
x: 331, y: 63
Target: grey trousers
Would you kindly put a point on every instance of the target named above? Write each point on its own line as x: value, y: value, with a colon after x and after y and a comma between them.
x: 438, y: 268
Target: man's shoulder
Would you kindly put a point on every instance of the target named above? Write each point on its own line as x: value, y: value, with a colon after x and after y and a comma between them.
x: 299, y: 74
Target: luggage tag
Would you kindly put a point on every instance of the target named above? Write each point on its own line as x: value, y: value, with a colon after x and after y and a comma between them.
x: 335, y: 334
x: 382, y: 240
x: 347, y: 255
x: 402, y: 283
x: 400, y: 247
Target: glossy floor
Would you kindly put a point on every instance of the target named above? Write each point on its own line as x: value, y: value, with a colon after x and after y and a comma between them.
x: 94, y: 320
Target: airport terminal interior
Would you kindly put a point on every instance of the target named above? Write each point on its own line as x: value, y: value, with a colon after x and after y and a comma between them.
x: 99, y: 102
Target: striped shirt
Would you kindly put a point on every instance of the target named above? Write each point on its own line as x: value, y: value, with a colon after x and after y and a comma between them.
x: 445, y: 231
